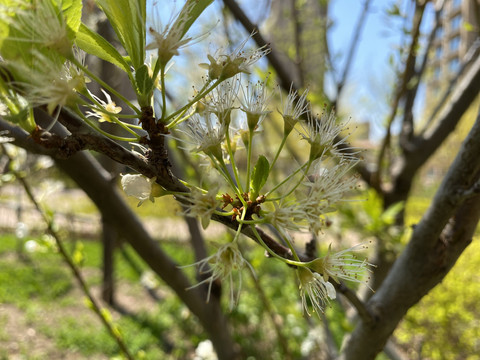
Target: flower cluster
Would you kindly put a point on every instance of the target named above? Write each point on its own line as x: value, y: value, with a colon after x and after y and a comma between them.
x: 249, y: 184
x: 298, y: 203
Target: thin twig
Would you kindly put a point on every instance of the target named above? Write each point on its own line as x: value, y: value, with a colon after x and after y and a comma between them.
x: 400, y: 91
x: 282, y: 340
x: 111, y: 328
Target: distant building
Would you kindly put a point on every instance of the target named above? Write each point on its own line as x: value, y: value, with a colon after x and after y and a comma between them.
x: 459, y: 27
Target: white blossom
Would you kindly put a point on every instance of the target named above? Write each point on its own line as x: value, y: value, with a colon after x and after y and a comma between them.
x: 204, y: 134
x: 225, y: 66
x: 201, y: 204
x: 50, y: 82
x: 137, y: 186
x: 316, y: 288
x: 342, y: 265
x: 286, y: 215
x: 108, y: 107
x: 327, y: 187
x: 222, y: 99
x: 254, y: 103
x: 41, y: 23
x: 293, y: 108
x: 4, y: 138
x: 205, y: 351
x: 168, y: 39
x: 221, y: 265
x: 322, y: 135
x: 21, y: 230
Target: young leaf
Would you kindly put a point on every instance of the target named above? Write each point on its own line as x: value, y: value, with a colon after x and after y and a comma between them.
x: 127, y: 18
x: 144, y: 82
x: 259, y: 176
x: 72, y: 12
x: 94, y: 44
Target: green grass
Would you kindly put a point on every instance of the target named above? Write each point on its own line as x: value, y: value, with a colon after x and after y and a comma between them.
x: 42, y: 287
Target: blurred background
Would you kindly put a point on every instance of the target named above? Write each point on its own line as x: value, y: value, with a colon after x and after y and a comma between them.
x: 374, y: 62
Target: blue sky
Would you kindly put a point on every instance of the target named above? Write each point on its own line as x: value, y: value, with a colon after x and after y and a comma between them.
x: 371, y: 77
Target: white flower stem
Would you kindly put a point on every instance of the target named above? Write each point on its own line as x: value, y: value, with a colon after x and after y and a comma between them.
x: 282, y: 144
x: 285, y: 180
x: 224, y: 213
x: 105, y: 85
x: 156, y: 69
x: 252, y: 222
x: 180, y: 118
x: 220, y: 165
x: 96, y: 128
x: 164, y: 97
x: 232, y: 161
x: 289, y: 243
x: 239, y: 229
x: 249, y: 159
x: 204, y: 91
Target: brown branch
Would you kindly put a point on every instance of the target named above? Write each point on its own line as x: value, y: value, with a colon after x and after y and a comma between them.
x: 99, y: 143
x: 407, y: 132
x: 408, y: 72
x: 297, y: 26
x: 283, y: 73
x: 470, y: 58
x: 438, y: 240
x: 423, y: 147
x: 150, y: 166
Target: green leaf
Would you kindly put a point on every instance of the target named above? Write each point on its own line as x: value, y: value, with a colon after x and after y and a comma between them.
x: 94, y: 44
x: 144, y: 81
x: 127, y: 18
x: 389, y: 215
x: 23, y: 118
x: 72, y: 12
x: 194, y: 12
x: 259, y: 176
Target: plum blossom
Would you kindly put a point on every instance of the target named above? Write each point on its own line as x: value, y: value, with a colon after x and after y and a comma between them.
x: 220, y: 266
x: 316, y: 288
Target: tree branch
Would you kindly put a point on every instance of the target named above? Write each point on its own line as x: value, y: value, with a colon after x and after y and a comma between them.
x: 407, y: 131
x: 400, y: 91
x: 423, y: 148
x: 438, y: 240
